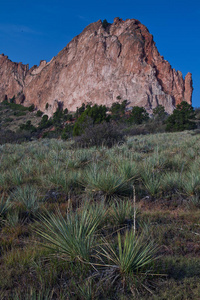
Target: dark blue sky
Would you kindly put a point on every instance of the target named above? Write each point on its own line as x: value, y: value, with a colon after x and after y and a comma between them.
x: 31, y: 31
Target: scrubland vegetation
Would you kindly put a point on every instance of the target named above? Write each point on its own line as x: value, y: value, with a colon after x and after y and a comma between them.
x: 115, y: 221
x: 91, y: 125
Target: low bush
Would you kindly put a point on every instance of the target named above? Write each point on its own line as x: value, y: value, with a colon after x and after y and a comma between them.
x: 31, y: 108
x: 104, y: 134
x: 28, y: 126
x: 9, y: 136
x: 8, y: 120
x: 39, y: 113
x: 19, y: 113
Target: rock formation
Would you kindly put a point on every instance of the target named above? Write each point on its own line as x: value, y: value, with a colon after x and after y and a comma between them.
x: 97, y: 66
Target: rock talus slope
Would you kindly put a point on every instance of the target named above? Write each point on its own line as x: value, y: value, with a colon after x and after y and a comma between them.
x: 97, y: 66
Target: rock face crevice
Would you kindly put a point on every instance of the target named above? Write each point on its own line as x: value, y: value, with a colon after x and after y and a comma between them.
x: 97, y: 66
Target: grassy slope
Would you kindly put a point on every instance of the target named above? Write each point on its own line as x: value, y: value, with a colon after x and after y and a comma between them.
x: 44, y: 175
x: 10, y: 118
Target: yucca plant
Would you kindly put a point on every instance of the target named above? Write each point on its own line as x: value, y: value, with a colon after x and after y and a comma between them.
x: 27, y: 197
x: 178, y: 163
x: 85, y: 291
x: 194, y: 201
x: 133, y: 255
x: 191, y: 183
x: 13, y: 218
x: 105, y: 181
x: 3, y: 180
x: 152, y: 184
x: 27, y: 166
x: 67, y: 180
x: 129, y: 170
x: 32, y: 294
x: 122, y: 212
x: 59, y: 179
x: 98, y: 211
x: 5, y: 205
x: 171, y: 182
x: 72, y: 238
x: 16, y: 176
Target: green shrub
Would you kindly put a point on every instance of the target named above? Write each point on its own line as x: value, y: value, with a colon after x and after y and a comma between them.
x: 28, y: 126
x: 31, y: 108
x: 65, y: 111
x: 19, y: 113
x: 45, y: 122
x: 159, y: 113
x: 67, y: 132
x: 118, y: 110
x: 8, y: 120
x: 92, y: 115
x: 58, y: 118
x: 8, y: 136
x: 105, y: 24
x: 12, y: 100
x: 39, y: 113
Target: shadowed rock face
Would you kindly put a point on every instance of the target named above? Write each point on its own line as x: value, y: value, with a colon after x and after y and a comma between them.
x: 97, y: 66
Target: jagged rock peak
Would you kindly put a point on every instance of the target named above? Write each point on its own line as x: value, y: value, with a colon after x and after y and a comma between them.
x: 103, y: 62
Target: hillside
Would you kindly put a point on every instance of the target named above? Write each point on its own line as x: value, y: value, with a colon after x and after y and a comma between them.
x: 65, y: 211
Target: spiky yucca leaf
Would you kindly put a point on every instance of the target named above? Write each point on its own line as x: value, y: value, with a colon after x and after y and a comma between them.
x: 72, y: 238
x: 121, y: 211
x: 27, y: 196
x: 32, y: 294
x: 152, y: 184
x: 191, y: 183
x: 133, y: 254
x: 105, y: 181
x: 130, y: 170
x: 4, y: 206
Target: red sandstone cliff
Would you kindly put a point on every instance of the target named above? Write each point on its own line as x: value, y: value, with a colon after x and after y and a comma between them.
x: 97, y: 66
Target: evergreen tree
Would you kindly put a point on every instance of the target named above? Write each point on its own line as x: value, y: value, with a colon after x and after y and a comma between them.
x: 92, y: 115
x: 138, y: 115
x: 183, y: 118
x: 118, y: 110
x: 159, y: 113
